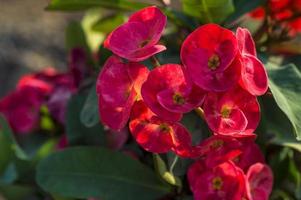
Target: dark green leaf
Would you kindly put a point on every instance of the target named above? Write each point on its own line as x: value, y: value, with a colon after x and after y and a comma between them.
x: 89, y: 115
x: 85, y: 4
x: 244, y: 6
x: 285, y: 84
x: 16, y: 192
x: 78, y: 133
x: 276, y: 126
x: 8, y: 146
x: 84, y: 172
x: 9, y: 175
x: 208, y: 10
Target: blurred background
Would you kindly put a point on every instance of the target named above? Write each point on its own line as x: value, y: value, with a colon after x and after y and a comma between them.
x: 30, y: 39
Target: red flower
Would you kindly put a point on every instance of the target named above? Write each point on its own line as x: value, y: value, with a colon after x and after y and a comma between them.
x: 118, y: 87
x: 253, y: 74
x: 168, y: 92
x: 250, y: 154
x: 235, y: 113
x: 209, y: 55
x: 56, y: 88
x: 259, y: 182
x: 218, y: 149
x: 23, y: 114
x: 159, y: 136
x: 283, y: 12
x: 137, y: 39
x: 225, y: 181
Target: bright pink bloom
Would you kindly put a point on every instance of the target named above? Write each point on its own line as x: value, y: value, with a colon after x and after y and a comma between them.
x: 168, y: 92
x: 259, y: 182
x: 22, y: 109
x: 253, y: 74
x: 158, y: 136
x: 209, y: 55
x: 137, y: 39
x: 234, y: 113
x: 118, y: 87
x: 225, y: 181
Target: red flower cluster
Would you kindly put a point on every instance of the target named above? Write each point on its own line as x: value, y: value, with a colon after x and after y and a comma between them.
x: 231, y: 169
x: 220, y: 75
x: 285, y: 12
x: 49, y: 88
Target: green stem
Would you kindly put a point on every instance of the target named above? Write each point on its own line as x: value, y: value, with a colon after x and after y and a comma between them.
x: 173, y: 164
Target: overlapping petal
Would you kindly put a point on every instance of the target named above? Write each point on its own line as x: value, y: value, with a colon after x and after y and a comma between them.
x: 118, y: 87
x: 234, y: 112
x: 137, y: 39
x: 208, y: 53
x: 225, y: 181
x: 259, y: 182
x: 253, y: 74
x: 168, y: 92
x: 160, y: 136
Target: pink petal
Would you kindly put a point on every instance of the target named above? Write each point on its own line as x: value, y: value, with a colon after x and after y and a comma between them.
x: 165, y: 76
x: 246, y: 44
x: 148, y: 134
x: 253, y: 76
x: 260, y: 182
x: 216, y: 82
x: 154, y: 20
x: 116, y: 91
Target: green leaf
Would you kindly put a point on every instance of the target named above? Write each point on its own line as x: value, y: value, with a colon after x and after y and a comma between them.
x: 285, y: 84
x: 70, y: 5
x: 214, y: 11
x: 16, y: 192
x: 84, y: 172
x: 8, y: 146
x: 75, y: 36
x: 89, y: 115
x: 93, y: 38
x: 244, y: 6
x: 78, y: 133
x: 276, y: 126
x: 108, y: 23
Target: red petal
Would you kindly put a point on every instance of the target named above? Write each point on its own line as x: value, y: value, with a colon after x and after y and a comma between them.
x: 253, y: 76
x: 260, y: 182
x: 245, y: 42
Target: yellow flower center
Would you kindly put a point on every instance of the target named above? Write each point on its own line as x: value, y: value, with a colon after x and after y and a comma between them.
x: 164, y: 127
x: 225, y: 111
x: 217, y: 183
x: 213, y: 62
x: 178, y: 99
x: 217, y: 144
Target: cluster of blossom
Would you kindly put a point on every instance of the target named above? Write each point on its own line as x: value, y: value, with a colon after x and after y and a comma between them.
x: 22, y: 107
x: 221, y: 76
x: 285, y: 12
